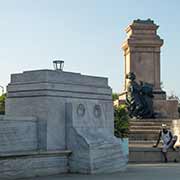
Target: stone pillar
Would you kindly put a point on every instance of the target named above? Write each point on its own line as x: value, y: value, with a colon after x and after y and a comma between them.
x: 142, y: 53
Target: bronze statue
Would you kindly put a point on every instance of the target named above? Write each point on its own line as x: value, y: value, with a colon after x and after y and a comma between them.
x: 139, y: 98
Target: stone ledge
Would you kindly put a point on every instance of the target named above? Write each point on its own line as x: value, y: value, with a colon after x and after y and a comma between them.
x: 58, y: 77
x: 17, y: 118
x: 33, y: 164
x: 151, y: 155
x: 145, y: 149
x: 34, y: 153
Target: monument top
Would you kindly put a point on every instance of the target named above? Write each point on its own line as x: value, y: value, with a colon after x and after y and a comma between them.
x: 142, y: 28
x: 49, y: 76
x: 148, y: 21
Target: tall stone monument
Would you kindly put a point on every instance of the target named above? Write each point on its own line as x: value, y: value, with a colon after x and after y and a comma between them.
x: 142, y: 57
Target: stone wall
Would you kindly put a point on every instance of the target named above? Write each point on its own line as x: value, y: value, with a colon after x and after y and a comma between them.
x: 33, y: 164
x: 18, y: 134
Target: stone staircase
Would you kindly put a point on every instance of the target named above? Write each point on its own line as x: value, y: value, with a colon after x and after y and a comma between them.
x: 143, y: 134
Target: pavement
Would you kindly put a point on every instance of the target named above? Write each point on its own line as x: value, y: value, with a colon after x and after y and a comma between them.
x: 166, y: 171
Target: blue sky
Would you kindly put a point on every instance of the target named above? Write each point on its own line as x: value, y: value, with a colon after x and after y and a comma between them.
x: 86, y: 34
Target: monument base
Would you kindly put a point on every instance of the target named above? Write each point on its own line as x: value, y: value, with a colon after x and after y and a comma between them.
x: 33, y: 163
x: 41, y: 120
x: 151, y: 155
x: 166, y: 108
x: 95, y: 149
x: 163, y: 108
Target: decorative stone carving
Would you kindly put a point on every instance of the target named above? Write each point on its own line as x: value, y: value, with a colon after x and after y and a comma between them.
x: 97, y: 111
x: 81, y: 110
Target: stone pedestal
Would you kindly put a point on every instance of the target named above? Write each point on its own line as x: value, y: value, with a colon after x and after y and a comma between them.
x: 73, y: 112
x: 166, y: 108
x: 44, y: 93
x: 89, y: 134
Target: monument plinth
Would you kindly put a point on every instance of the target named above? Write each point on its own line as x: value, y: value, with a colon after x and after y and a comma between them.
x: 58, y: 122
x: 142, y: 57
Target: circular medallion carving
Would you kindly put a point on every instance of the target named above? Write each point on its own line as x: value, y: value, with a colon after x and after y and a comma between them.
x: 81, y: 110
x: 97, y: 111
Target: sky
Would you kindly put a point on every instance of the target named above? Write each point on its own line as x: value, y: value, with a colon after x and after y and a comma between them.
x: 86, y: 34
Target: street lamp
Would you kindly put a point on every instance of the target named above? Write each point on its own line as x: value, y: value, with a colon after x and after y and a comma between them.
x: 58, y: 65
x: 2, y: 89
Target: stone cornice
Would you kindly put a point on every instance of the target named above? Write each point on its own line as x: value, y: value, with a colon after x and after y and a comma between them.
x: 142, y: 43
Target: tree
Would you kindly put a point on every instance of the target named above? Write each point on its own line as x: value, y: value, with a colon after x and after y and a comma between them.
x: 121, y: 121
x: 115, y: 96
x: 2, y: 103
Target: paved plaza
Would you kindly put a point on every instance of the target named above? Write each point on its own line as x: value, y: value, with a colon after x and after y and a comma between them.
x: 169, y: 171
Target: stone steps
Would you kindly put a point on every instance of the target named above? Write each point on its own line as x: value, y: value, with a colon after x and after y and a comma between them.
x: 143, y: 130
x: 151, y: 120
x: 138, y: 142
x: 142, y: 135
x: 136, y: 127
x: 149, y: 123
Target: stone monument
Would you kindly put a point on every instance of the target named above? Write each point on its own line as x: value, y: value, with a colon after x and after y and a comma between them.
x: 58, y: 122
x: 142, y: 57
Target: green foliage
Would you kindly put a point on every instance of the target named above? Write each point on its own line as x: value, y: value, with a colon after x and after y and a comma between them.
x: 121, y: 121
x: 2, y: 103
x: 115, y: 96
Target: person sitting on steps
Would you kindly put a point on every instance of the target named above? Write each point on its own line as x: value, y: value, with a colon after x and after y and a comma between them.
x: 168, y: 141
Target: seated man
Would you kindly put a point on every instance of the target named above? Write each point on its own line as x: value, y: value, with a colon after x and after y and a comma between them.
x: 168, y: 140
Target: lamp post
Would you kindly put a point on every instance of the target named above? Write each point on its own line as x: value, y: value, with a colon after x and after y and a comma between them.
x: 2, y: 89
x: 58, y: 65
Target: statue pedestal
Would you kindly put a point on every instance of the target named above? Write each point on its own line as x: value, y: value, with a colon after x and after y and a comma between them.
x: 162, y: 107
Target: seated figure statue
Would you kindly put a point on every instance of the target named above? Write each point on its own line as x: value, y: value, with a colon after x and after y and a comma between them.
x: 139, y: 98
